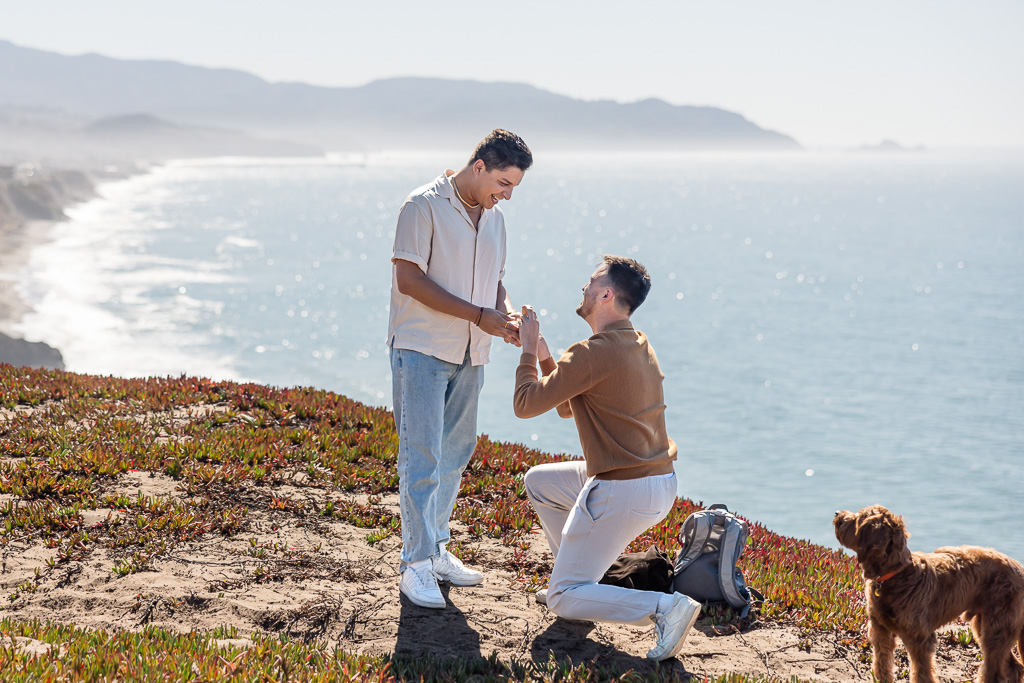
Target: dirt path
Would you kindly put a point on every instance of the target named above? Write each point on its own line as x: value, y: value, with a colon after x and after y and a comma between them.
x: 315, y: 578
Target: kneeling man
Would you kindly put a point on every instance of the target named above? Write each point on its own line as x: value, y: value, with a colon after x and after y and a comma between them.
x: 591, y: 510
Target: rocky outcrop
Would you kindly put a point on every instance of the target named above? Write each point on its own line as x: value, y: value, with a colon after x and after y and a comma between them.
x: 34, y: 194
x: 21, y: 353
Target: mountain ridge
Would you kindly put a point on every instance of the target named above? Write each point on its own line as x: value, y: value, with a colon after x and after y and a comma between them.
x: 404, y: 111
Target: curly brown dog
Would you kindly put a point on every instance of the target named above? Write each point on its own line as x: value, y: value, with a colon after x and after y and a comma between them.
x: 910, y: 595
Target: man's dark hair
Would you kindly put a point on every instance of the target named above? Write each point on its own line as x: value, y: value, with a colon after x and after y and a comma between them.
x: 502, y: 149
x: 629, y: 279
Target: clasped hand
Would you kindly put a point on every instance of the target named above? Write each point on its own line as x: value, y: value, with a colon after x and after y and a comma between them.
x: 498, y: 324
x: 530, y: 336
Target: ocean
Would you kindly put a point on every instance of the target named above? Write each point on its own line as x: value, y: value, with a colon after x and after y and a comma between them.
x: 835, y: 329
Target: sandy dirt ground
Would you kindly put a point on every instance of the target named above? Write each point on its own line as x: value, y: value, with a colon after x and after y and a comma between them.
x: 297, y: 573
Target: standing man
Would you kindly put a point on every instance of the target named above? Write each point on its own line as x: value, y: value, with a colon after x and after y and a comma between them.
x: 447, y: 301
x: 592, y: 509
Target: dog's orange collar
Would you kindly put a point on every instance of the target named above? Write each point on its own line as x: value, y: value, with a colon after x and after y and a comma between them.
x: 885, y: 577
x: 888, y: 576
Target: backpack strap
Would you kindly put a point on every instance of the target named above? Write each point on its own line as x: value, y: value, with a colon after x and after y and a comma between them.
x: 694, y: 535
x: 732, y: 546
x: 756, y: 600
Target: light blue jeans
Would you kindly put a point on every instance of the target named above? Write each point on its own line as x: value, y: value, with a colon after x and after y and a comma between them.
x: 435, y: 415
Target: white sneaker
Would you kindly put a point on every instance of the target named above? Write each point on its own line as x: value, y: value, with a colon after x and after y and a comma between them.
x: 541, y: 596
x: 671, y: 628
x: 419, y: 584
x: 449, y: 568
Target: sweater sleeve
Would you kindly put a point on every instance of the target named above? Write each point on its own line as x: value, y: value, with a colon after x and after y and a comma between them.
x: 547, y: 366
x: 571, y: 377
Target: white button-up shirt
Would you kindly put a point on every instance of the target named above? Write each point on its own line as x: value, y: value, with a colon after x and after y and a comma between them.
x: 435, y: 232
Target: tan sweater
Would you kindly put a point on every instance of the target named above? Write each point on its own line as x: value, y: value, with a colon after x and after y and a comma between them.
x: 612, y: 385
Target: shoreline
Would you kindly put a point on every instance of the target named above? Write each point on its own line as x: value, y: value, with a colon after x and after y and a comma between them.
x: 33, y: 200
x: 16, y: 245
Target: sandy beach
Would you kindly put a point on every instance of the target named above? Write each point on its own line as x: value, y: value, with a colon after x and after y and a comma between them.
x: 32, y: 200
x: 16, y: 241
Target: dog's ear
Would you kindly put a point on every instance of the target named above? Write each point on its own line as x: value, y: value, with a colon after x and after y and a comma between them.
x: 872, y: 553
x: 882, y: 537
x: 898, y: 550
x: 881, y: 541
x: 871, y: 559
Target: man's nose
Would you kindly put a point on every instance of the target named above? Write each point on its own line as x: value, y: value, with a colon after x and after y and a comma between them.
x: 507, y: 194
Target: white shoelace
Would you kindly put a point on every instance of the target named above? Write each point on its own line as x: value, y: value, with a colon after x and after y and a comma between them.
x: 420, y: 577
x: 452, y: 561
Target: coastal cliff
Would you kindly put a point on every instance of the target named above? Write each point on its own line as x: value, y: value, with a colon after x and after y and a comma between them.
x: 21, y: 353
x: 31, y: 193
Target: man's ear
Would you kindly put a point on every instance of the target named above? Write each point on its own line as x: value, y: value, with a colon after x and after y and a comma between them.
x: 609, y: 296
x: 479, y: 166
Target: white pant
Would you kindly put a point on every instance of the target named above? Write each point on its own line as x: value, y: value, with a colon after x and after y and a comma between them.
x: 588, y: 523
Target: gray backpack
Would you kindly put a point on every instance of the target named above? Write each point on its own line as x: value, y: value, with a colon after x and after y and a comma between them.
x: 705, y: 567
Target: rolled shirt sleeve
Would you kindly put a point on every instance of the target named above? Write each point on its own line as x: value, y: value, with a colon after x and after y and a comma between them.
x: 413, y: 236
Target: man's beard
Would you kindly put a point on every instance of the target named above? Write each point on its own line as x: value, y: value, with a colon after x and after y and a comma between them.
x: 583, y: 310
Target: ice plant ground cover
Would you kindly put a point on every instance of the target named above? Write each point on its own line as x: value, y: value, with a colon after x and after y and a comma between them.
x: 238, y: 453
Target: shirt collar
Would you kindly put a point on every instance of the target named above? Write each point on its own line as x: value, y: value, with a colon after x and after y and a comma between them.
x: 626, y: 324
x: 447, y: 190
x: 444, y: 186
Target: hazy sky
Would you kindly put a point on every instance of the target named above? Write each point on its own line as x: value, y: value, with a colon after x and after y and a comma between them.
x: 829, y: 73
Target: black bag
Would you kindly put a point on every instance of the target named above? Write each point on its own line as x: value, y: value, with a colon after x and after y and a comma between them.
x: 650, y: 570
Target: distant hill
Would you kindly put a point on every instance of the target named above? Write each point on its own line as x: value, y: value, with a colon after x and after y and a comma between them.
x: 132, y: 140
x: 131, y: 124
x: 155, y: 138
x: 417, y: 113
x: 890, y: 146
